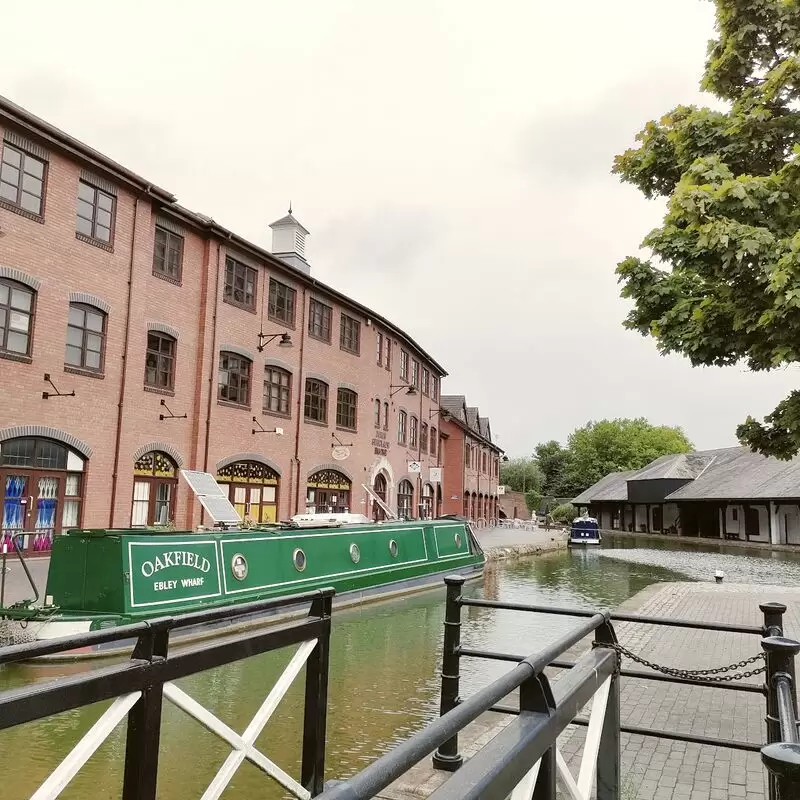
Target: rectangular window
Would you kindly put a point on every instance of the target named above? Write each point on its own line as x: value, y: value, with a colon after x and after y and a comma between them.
x: 426, y: 381
x: 234, y: 379
x: 412, y: 436
x: 415, y: 373
x: 159, y: 365
x: 316, y: 404
x: 423, y: 437
x: 379, y: 350
x: 377, y: 413
x: 434, y: 387
x: 434, y: 440
x: 16, y: 317
x: 402, y: 427
x: 386, y: 416
x: 240, y: 284
x: 168, y: 254
x: 387, y: 362
x: 22, y: 178
x: 86, y: 334
x: 350, y: 335
x: 281, y: 302
x: 403, y: 365
x: 346, y: 409
x: 95, y: 217
x: 319, y: 320
x: 277, y: 391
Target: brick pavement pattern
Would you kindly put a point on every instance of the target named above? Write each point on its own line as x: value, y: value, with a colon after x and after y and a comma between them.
x: 659, y: 769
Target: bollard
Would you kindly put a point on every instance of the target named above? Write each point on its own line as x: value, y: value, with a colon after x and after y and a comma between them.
x: 780, y: 757
x: 773, y: 618
x: 447, y: 756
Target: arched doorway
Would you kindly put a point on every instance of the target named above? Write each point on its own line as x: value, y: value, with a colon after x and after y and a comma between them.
x: 155, y: 483
x: 427, y: 501
x: 328, y: 491
x: 252, y: 488
x: 380, y: 489
x: 405, y: 500
x: 42, y: 482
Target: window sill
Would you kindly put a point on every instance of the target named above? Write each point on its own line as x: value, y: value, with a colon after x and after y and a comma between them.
x: 249, y: 309
x: 157, y: 390
x: 239, y: 406
x: 346, y: 430
x: 279, y: 321
x: 87, y: 373
x: 315, y: 422
x: 319, y: 338
x: 348, y: 350
x: 82, y: 237
x: 22, y: 359
x: 168, y: 278
x: 21, y: 211
x: 276, y: 414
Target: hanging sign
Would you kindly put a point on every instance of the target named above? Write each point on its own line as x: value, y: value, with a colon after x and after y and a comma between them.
x: 435, y: 475
x: 414, y: 466
x: 340, y: 453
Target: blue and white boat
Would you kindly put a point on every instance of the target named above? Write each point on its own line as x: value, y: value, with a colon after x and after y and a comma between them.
x: 585, y: 530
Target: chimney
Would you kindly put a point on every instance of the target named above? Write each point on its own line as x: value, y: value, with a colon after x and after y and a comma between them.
x: 289, y: 242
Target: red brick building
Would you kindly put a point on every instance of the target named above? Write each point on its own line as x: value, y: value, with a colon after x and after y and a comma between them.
x: 471, y: 461
x: 138, y: 338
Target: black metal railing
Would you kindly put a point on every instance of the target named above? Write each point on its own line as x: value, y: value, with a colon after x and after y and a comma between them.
x: 151, y: 666
x: 544, y: 711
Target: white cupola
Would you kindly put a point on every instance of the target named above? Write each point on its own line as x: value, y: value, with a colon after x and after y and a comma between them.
x: 289, y: 242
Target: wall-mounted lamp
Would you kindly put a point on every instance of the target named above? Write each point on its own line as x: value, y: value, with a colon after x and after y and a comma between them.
x: 411, y: 390
x: 55, y: 392
x: 262, y: 429
x: 265, y: 338
x: 444, y: 414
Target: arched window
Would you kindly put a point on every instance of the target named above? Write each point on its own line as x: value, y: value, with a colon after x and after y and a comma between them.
x: 277, y: 391
x: 155, y: 483
x: 316, y: 401
x: 413, y: 431
x: 159, y: 364
x: 380, y: 489
x: 346, y: 409
x: 328, y: 491
x: 386, y: 416
x: 466, y: 504
x: 405, y: 500
x: 434, y: 440
x: 234, y: 379
x: 16, y: 317
x: 42, y: 484
x: 427, y: 501
x: 377, y: 413
x: 86, y: 337
x: 252, y: 488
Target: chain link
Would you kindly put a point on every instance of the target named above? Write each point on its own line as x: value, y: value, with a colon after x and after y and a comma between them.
x: 708, y: 675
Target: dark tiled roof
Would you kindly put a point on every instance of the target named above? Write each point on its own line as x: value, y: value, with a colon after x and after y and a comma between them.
x: 453, y: 404
x: 472, y: 418
x: 612, y: 488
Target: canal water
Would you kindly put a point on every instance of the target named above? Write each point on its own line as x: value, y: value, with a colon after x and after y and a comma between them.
x: 384, y: 664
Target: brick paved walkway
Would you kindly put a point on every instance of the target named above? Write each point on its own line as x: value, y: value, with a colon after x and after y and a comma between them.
x: 655, y: 769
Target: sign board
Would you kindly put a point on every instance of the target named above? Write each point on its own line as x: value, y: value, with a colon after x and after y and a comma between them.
x: 212, y: 497
x: 501, y: 490
x: 414, y: 466
x: 436, y: 475
x: 340, y: 453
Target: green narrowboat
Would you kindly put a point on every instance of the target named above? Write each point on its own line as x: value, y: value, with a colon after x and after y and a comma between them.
x: 103, y: 578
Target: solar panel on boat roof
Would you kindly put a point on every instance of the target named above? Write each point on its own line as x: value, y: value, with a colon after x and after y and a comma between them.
x: 203, y: 483
x: 220, y: 509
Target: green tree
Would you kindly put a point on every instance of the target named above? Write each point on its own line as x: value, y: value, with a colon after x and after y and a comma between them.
x: 620, y: 444
x: 521, y: 475
x: 564, y: 513
x: 553, y: 460
x: 533, y: 500
x: 724, y: 284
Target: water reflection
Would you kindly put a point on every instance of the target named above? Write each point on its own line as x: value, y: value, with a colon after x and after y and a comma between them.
x: 384, y: 672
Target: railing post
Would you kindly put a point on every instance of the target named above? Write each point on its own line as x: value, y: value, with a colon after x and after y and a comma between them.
x: 773, y: 626
x: 536, y: 695
x: 782, y: 759
x: 144, y: 719
x: 447, y: 756
x: 773, y: 618
x: 609, y: 755
x: 312, y: 771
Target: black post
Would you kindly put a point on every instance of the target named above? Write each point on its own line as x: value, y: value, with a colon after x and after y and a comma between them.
x: 609, y: 755
x: 447, y: 756
x: 773, y: 618
x: 144, y: 719
x: 312, y: 771
x: 536, y: 695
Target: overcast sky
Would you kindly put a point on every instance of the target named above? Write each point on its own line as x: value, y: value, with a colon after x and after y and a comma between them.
x: 451, y: 160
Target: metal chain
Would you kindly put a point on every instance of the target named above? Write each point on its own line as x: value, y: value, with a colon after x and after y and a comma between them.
x: 708, y: 675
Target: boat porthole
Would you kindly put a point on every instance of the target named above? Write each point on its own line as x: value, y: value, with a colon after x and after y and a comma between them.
x: 299, y: 558
x: 393, y: 548
x: 458, y: 540
x: 355, y: 553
